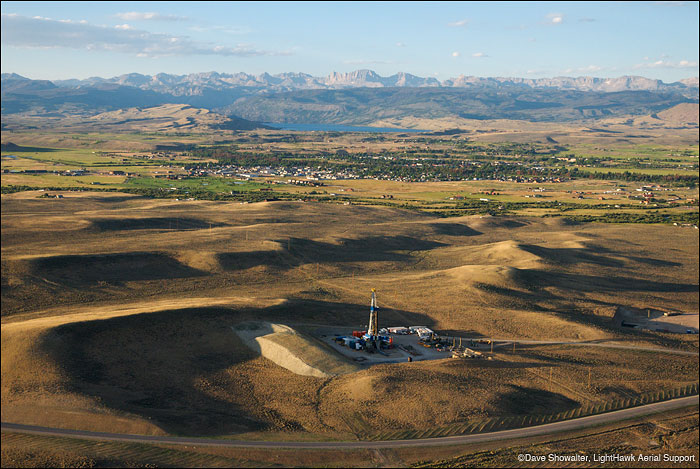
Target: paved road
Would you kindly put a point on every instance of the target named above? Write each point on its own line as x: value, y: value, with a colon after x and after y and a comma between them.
x: 557, y: 427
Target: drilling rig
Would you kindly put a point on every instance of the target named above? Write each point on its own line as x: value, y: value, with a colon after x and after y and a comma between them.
x: 372, y: 335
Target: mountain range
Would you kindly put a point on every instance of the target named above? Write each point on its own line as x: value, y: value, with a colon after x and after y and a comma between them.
x: 195, y: 82
x: 358, y: 97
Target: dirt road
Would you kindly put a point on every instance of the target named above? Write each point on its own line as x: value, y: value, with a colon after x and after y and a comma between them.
x: 557, y: 427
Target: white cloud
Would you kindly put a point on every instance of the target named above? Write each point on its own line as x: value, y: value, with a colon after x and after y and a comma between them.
x: 555, y: 18
x: 400, y: 44
x: 148, y: 16
x: 455, y: 54
x: 458, y: 24
x: 22, y: 31
x: 668, y: 64
x: 123, y: 26
x: 479, y: 55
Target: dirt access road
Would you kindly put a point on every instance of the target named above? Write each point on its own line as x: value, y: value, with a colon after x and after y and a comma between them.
x: 556, y: 427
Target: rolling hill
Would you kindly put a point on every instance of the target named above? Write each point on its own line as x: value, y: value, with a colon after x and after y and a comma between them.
x: 167, y: 117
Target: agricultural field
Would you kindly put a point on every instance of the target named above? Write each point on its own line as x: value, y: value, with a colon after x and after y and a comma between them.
x: 443, y: 175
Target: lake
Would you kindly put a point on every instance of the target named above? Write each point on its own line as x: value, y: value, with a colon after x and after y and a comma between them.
x: 338, y: 128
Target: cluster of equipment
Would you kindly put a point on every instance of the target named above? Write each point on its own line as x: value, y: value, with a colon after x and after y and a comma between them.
x: 376, y: 339
x: 373, y: 339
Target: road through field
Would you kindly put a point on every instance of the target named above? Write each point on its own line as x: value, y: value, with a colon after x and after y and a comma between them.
x: 584, y: 343
x: 556, y: 427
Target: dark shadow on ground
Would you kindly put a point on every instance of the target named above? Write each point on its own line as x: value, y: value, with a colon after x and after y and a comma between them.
x: 596, y: 255
x: 299, y: 251
x: 654, y: 262
x: 568, y: 256
x: 171, y: 367
x: 594, y: 283
x: 114, y: 268
x: 163, y: 223
x: 14, y: 147
x: 454, y: 229
x: 524, y: 401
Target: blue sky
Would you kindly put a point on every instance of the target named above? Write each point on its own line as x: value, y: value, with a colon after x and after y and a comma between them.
x: 58, y: 40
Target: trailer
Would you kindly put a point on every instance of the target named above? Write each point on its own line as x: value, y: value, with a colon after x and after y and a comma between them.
x: 466, y: 353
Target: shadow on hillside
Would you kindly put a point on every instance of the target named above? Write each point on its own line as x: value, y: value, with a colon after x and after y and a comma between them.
x: 654, y: 262
x: 597, y: 255
x: 19, y: 148
x: 454, y: 229
x: 594, y: 283
x: 178, y: 368
x: 525, y: 401
x: 162, y: 223
x: 114, y: 268
x: 568, y: 256
x: 561, y: 292
x: 299, y: 251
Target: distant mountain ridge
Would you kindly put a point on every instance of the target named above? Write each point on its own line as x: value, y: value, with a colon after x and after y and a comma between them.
x: 363, y: 106
x: 194, y: 83
x: 358, y: 97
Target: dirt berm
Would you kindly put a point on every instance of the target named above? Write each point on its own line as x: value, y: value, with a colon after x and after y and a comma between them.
x: 292, y: 350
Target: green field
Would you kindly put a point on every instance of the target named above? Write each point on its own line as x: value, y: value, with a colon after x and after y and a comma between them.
x: 55, y: 180
x: 211, y: 184
x: 683, y: 152
x: 145, y: 167
x: 70, y: 158
x: 653, y: 171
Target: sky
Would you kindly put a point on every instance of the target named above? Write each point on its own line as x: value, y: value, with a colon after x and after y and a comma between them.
x: 61, y: 40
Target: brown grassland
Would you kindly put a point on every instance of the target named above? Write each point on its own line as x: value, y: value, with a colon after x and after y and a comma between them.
x: 117, y: 314
x: 675, y: 434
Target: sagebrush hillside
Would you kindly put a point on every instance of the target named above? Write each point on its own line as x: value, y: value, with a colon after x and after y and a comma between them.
x: 118, y: 313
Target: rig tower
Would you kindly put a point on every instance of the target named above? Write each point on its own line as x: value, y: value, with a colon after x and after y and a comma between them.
x: 372, y: 335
